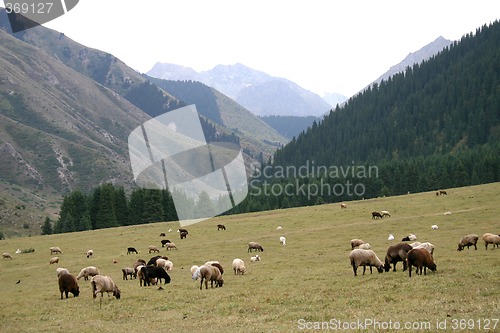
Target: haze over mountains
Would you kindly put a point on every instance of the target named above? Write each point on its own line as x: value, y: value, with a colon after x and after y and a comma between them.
x: 262, y: 94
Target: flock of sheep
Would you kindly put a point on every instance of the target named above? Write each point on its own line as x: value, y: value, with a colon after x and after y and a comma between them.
x: 416, y: 254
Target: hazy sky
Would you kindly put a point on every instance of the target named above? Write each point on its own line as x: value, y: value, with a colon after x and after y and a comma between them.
x: 324, y: 46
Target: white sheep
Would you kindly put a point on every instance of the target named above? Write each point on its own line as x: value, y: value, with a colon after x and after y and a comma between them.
x: 256, y: 258
x: 426, y: 246
x: 18, y: 251
x: 170, y: 246
x: 90, y: 253
x: 165, y: 264
x: 239, y: 266
x: 365, y: 246
x: 282, y: 240
x: 360, y: 257
x: 434, y: 227
x: 55, y: 249
x: 196, y: 273
x: 385, y: 213
x: 447, y: 213
x: 60, y: 271
x: 492, y: 239
x: 193, y: 269
x: 53, y: 260
x: 86, y: 272
x: 279, y: 228
x: 391, y: 237
x: 6, y: 255
x: 210, y: 262
x: 102, y: 284
x: 412, y: 237
x: 415, y: 244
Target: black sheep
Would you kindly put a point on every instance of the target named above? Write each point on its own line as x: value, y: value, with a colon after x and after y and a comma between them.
x: 151, y: 272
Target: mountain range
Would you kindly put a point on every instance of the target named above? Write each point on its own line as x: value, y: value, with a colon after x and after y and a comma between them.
x: 66, y: 111
x: 260, y: 93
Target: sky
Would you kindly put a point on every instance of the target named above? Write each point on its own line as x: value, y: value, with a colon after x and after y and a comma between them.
x: 337, y: 46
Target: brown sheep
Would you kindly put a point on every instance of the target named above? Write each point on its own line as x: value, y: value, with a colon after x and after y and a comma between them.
x: 420, y: 258
x: 255, y: 246
x: 468, y: 241
x: 68, y: 284
x: 53, y: 260
x: 212, y: 274
x: 396, y: 253
x: 356, y: 242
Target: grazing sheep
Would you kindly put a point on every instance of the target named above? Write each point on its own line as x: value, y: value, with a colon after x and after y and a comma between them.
x: 365, y: 246
x: 221, y: 227
x: 151, y: 272
x: 165, y: 241
x: 90, y: 253
x: 420, y: 258
x: 239, y: 266
x: 170, y: 246
x: 468, y: 241
x: 138, y: 263
x: 55, y: 249
x: 18, y: 251
x: 429, y: 247
x: 132, y: 250
x: 68, y: 284
x: 162, y: 234
x: 442, y: 192
x: 128, y: 271
x: 391, y: 237
x: 360, y: 257
x: 165, y: 264
x: 283, y: 241
x: 254, y: 246
x: 256, y: 258
x: 447, y: 213
x: 343, y: 206
x: 212, y: 274
x: 279, y: 228
x: 356, y: 242
x: 396, y: 253
x: 193, y: 269
x: 216, y: 264
x: 152, y: 248
x: 182, y: 230
x: 86, y: 272
x: 385, y: 213
x: 152, y: 261
x: 102, y: 284
x: 183, y: 234
x: 6, y: 255
x: 434, y: 227
x: 491, y: 239
x: 60, y: 271
x: 410, y: 237
x: 53, y: 260
x: 376, y: 215
x: 140, y: 274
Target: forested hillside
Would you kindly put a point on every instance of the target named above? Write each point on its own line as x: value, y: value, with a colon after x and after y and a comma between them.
x: 435, y: 125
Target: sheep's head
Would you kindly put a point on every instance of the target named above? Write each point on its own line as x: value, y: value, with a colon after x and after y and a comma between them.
x: 460, y: 247
x: 116, y: 293
x: 380, y: 268
x: 76, y: 292
x: 432, y: 267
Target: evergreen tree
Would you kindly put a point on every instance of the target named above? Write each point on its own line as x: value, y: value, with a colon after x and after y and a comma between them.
x: 47, y: 227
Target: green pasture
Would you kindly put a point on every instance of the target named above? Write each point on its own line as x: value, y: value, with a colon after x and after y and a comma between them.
x: 305, y: 286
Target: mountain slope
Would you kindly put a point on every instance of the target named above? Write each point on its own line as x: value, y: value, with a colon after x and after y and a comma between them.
x: 257, y: 91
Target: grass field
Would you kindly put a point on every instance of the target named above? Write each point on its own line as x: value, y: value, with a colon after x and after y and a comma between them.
x: 293, y: 288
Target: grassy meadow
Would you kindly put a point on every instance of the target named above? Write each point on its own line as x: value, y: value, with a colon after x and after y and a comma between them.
x: 309, y: 280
